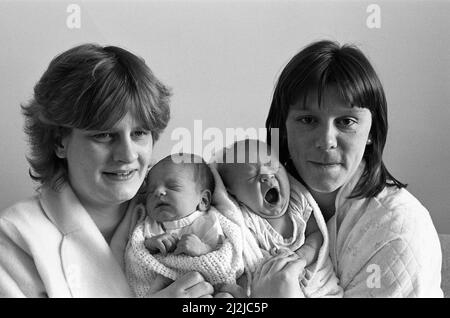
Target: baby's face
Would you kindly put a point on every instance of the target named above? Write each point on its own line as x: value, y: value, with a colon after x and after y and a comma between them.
x: 262, y: 186
x: 172, y: 192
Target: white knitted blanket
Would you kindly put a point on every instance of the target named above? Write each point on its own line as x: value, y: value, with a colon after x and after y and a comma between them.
x: 221, y: 266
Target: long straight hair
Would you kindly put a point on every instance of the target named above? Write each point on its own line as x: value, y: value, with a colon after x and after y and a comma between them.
x: 311, y: 71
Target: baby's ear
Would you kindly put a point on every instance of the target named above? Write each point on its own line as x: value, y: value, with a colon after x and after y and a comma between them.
x: 205, y: 201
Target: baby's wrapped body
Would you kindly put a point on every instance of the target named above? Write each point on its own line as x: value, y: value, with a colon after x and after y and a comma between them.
x: 319, y: 279
x: 278, y: 212
x: 268, y: 238
x: 179, y: 231
x: 220, y: 267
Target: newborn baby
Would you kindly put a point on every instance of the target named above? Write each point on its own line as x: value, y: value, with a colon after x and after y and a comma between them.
x: 260, y: 185
x: 178, y: 231
x: 178, y: 200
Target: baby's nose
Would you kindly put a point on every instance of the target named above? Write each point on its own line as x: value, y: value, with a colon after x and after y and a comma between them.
x: 267, y: 178
x: 160, y: 192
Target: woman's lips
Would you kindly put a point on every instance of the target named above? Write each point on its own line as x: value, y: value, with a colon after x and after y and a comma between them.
x: 325, y: 165
x: 120, y: 175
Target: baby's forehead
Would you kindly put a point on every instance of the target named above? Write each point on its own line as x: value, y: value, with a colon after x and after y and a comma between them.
x: 254, y: 159
x: 248, y: 152
x: 170, y: 169
x: 254, y: 167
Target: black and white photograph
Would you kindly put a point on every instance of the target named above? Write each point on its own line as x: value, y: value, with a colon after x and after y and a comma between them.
x: 241, y: 149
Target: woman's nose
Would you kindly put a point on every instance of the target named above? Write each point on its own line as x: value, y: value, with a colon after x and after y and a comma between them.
x: 125, y: 151
x: 326, y: 137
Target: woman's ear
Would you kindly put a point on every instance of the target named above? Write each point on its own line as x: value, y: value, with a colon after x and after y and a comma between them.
x: 61, y: 146
x: 205, y: 201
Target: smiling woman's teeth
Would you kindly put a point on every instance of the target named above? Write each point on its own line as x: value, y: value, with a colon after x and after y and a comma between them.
x: 123, y: 174
x: 120, y: 175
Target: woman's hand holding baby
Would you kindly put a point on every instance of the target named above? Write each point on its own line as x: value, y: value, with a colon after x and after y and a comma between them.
x: 190, y: 285
x: 278, y: 277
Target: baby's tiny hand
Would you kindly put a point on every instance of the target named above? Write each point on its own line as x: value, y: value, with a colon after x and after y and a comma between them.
x: 163, y: 243
x: 191, y: 245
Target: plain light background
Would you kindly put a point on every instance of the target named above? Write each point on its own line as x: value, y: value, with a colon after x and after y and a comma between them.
x: 222, y: 59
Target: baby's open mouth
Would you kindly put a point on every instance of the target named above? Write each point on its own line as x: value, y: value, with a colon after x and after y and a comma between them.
x: 272, y: 196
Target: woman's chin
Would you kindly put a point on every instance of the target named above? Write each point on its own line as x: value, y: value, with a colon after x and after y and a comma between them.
x: 123, y: 193
x: 325, y: 187
x: 123, y: 189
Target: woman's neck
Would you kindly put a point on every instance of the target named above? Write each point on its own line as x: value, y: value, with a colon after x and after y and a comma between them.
x: 326, y: 202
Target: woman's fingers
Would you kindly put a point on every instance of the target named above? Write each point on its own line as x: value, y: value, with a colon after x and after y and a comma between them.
x: 275, y: 264
x: 200, y: 290
x: 223, y: 295
x: 194, y: 285
x: 295, y: 267
x: 190, y: 285
x: 280, y: 263
x: 191, y: 278
x: 231, y: 291
x: 279, y: 277
x: 159, y: 283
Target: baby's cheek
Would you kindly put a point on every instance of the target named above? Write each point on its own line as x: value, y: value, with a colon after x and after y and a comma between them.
x: 148, y: 202
x: 253, y: 194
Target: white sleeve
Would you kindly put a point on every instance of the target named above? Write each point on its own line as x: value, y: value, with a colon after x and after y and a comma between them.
x: 18, y: 274
x: 394, y: 271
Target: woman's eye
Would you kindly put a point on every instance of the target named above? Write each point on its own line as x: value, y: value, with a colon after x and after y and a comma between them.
x: 346, y: 122
x: 103, y: 137
x: 306, y: 120
x: 140, y: 133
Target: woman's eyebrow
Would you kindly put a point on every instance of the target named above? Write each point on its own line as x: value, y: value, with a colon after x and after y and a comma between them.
x: 337, y: 109
x: 90, y: 131
x: 302, y: 110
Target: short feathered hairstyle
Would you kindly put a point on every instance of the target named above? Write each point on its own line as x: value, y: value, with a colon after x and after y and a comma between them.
x: 89, y: 87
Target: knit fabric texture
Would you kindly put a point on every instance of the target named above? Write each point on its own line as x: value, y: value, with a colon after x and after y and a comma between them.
x: 221, y: 266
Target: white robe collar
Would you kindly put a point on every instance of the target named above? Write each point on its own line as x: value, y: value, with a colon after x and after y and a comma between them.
x: 92, y: 268
x: 346, y: 190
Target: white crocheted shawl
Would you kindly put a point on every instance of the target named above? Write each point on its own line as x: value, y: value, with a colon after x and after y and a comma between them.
x: 221, y: 266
